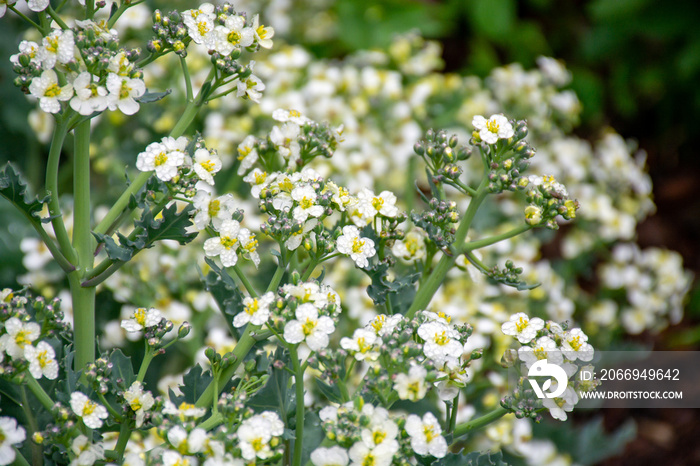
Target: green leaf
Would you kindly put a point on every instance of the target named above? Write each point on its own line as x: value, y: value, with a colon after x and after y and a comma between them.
x: 172, y: 225
x: 122, y: 368
x: 149, y: 97
x: 195, y: 382
x: 113, y: 250
x: 276, y: 395
x: 313, y: 435
x: 227, y: 295
x: 381, y: 288
x: 474, y: 458
x: 331, y: 392
x: 14, y: 189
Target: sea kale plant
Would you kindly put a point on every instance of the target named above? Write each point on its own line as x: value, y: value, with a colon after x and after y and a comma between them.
x: 325, y: 320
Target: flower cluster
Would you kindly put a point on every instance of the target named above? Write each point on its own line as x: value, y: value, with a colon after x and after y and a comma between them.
x: 548, y: 199
x: 83, y: 67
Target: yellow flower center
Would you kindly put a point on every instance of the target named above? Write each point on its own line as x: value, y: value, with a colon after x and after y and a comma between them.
x: 369, y: 460
x: 576, y: 343
x: 357, y: 245
x: 43, y: 359
x: 22, y: 338
x: 442, y: 339
x: 234, y: 37
x: 253, y: 307
x: 252, y: 245
x: 286, y: 185
x: 89, y: 408
x: 521, y: 324
x: 125, y: 90
x: 257, y: 444
x: 378, y: 437
x: 52, y: 91
x: 202, y: 28
x: 306, y: 203
x: 294, y: 114
x: 135, y: 405
x: 444, y: 316
x: 140, y: 316
x: 228, y: 242
x: 260, y: 177
x: 160, y: 159
x: 208, y: 165
x: 262, y: 33
x: 540, y: 353
x: 378, y: 323
x: 492, y: 126
x: 362, y: 345
x: 414, y: 389
x: 52, y: 44
x: 429, y: 434
x: 377, y: 203
x: 214, y: 207
x: 309, y: 326
x: 243, y: 152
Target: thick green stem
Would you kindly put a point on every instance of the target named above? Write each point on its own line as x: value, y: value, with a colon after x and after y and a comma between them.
x: 147, y: 358
x: 123, y: 440
x: 37, y: 455
x: 480, y: 422
x: 59, y: 228
x: 472, y: 245
x: 246, y: 283
x: 430, y: 286
x: 299, y: 386
x: 83, y: 321
x: 39, y: 392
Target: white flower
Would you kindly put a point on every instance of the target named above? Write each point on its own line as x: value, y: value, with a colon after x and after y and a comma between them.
x: 89, y: 96
x: 258, y: 179
x: 285, y: 141
x: 255, y: 310
x: 139, y: 401
x: 142, y: 318
x: 206, y: 164
x: 334, y: 456
x: 383, y: 325
x: 255, y: 433
x: 232, y: 35
x: 10, y: 434
x: 370, y: 205
x: 359, y: 249
x: 574, y: 345
x: 28, y: 47
x: 362, y: 344
x: 86, y: 454
x: 226, y: 244
x: 19, y: 336
x: 305, y: 196
x: 361, y: 455
x: 455, y: 378
x: 249, y: 246
x: 441, y: 342
x: 90, y: 412
x: 49, y: 93
x: 309, y: 327
x: 250, y: 87
x: 295, y: 239
x: 292, y: 115
x: 558, y: 407
x: 191, y: 443
x: 123, y: 91
x: 263, y: 35
x: 522, y: 327
x: 200, y: 23
x: 42, y: 360
x: 411, y: 248
x: 184, y: 411
x: 120, y: 65
x: 211, y: 210
x: 37, y: 5
x: 426, y: 438
x: 58, y: 47
x: 173, y: 458
x: 247, y: 154
x: 412, y: 386
x: 380, y: 431
x: 495, y: 128
x: 544, y: 348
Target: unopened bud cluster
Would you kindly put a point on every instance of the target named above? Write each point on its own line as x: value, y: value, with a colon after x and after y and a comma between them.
x: 438, y: 221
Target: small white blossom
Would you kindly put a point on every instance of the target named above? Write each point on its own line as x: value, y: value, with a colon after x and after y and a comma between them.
x: 58, y: 47
x: 187, y: 443
x: 249, y: 246
x: 209, y: 209
x: 206, y: 164
x: 522, y: 327
x: 558, y: 407
x: 285, y: 140
x: 250, y: 87
x: 263, y: 34
x: 89, y: 97
x: 441, y: 342
x: 411, y: 248
x: 10, y: 435
x: 184, y: 411
x: 360, y: 455
x: 495, y: 128
x: 362, y: 344
x: 226, y: 244
x: 305, y: 196
x: 309, y: 327
x: 123, y: 91
x: 358, y: 248
x: 412, y: 386
x: 575, y: 346
x: 247, y: 154
x: 19, y: 336
x: 158, y: 158
x: 426, y: 435
x: 50, y: 94
x: 295, y: 239
x: 139, y: 401
x: 42, y: 360
x: 255, y: 310
x: 90, y: 412
x: 544, y: 348
x: 383, y: 325
x: 292, y: 115
x: 258, y: 179
x: 86, y: 453
x: 370, y: 205
x: 200, y: 24
x: 255, y: 433
x: 141, y: 319
x: 233, y: 35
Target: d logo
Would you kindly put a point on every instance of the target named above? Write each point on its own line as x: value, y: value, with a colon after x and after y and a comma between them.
x: 542, y: 368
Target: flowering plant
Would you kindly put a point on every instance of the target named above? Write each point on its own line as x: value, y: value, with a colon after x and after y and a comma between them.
x: 354, y: 327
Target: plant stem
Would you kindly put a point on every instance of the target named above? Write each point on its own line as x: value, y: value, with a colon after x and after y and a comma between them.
x: 430, y: 286
x: 246, y: 283
x: 56, y: 17
x: 24, y: 17
x: 147, y: 358
x: 33, y: 426
x: 453, y: 418
x: 472, y: 245
x: 83, y: 321
x: 299, y: 386
x: 39, y: 392
x: 480, y: 422
x: 59, y: 135
x: 123, y: 440
x: 19, y: 459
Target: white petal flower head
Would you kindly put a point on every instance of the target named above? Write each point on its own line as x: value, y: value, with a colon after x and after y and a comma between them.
x: 371, y: 205
x: 10, y: 435
x: 58, y: 46
x: 333, y: 456
x: 208, y: 210
x: 380, y: 431
x: 141, y: 319
x: 86, y: 453
x: 247, y: 154
x: 255, y: 310
x: 233, y: 35
x: 495, y: 128
x: 89, y: 96
x: 184, y: 411
x: 363, y: 344
x: 305, y: 197
x: 42, y: 360
x: 258, y: 180
x: 250, y: 88
x: 254, y: 435
x: 206, y: 164
x: 50, y: 94
x: 263, y: 34
x: 19, y: 336
x: 426, y: 435
x: 441, y: 342
x: 411, y: 248
x: 295, y: 116
x: 309, y: 327
x: 297, y: 236
x: 558, y: 407
x: 123, y: 91
x: 226, y: 244
x: 90, y: 412
x: 522, y: 327
x: 412, y: 386
x: 200, y: 24
x: 360, y: 454
x: 285, y: 140
x: 139, y: 401
x: 543, y: 348
x: 575, y: 346
x: 358, y: 248
x: 185, y: 443
x: 158, y: 158
x: 249, y: 246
